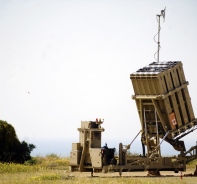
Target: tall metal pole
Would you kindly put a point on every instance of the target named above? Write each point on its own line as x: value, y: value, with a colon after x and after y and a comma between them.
x: 158, y: 141
x: 158, y: 47
x: 158, y: 33
x: 146, y: 132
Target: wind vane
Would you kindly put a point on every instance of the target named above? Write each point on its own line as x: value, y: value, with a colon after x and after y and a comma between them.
x: 158, y: 33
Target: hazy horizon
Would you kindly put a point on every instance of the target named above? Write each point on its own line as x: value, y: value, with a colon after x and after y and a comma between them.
x: 63, y: 147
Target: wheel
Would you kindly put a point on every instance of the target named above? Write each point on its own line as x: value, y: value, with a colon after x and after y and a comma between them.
x: 176, y: 171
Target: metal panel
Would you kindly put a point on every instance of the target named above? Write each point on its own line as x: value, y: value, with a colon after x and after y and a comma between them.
x: 182, y: 107
x: 188, y: 104
x: 95, y: 155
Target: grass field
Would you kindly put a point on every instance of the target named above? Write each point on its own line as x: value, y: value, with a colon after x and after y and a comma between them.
x: 54, y: 169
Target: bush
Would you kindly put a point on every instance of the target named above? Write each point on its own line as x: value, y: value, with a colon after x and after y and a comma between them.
x: 11, y: 149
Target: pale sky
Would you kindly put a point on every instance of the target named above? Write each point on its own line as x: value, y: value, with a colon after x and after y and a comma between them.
x: 64, y: 61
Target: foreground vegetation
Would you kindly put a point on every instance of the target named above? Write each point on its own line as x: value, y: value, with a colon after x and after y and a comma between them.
x: 55, y: 169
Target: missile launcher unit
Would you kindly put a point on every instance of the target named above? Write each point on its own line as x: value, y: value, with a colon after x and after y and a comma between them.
x: 166, y: 114
x: 163, y: 101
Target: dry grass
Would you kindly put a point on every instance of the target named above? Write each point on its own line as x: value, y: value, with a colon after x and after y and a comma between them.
x: 54, y: 169
x: 58, y: 177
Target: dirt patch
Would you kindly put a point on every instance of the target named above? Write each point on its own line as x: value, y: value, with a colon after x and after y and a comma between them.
x: 188, y: 173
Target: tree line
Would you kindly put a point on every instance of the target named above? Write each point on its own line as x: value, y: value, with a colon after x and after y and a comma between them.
x: 11, y: 149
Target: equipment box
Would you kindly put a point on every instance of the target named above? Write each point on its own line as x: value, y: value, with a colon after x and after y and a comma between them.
x: 75, y: 157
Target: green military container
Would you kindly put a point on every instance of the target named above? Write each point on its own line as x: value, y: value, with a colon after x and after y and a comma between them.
x: 163, y: 101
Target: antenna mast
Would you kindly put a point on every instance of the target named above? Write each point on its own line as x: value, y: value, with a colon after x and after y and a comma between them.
x: 159, y: 28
